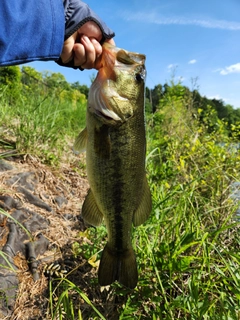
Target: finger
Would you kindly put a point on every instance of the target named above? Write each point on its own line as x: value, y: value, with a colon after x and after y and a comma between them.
x: 79, y: 54
x: 97, y: 47
x: 67, y: 53
x: 90, y: 53
x: 91, y: 30
x: 98, y: 52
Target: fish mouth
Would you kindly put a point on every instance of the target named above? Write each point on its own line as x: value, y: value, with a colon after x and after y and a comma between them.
x: 106, y: 101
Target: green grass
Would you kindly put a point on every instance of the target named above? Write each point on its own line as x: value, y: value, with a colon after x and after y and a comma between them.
x: 187, y: 268
x: 41, y: 124
x: 188, y: 250
x: 62, y: 290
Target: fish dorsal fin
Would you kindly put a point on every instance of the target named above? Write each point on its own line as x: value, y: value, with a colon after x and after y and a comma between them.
x: 145, y: 206
x: 90, y: 212
x: 80, y: 142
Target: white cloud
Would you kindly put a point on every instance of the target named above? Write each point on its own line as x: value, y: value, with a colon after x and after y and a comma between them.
x: 234, y: 68
x: 192, y: 61
x: 154, y: 18
x: 172, y: 66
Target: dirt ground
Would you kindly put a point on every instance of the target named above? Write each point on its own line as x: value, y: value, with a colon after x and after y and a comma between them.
x: 48, y: 203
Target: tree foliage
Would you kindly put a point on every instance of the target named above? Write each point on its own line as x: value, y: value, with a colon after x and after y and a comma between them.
x: 194, y: 104
x: 21, y: 83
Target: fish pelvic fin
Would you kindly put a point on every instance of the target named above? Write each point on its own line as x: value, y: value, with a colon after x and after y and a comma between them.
x: 90, y: 211
x: 143, y: 211
x: 118, y: 266
x: 80, y: 142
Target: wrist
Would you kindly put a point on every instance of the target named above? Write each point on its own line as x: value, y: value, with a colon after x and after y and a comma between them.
x: 77, y: 13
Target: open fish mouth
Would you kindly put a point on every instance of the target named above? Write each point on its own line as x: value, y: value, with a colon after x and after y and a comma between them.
x: 109, y: 97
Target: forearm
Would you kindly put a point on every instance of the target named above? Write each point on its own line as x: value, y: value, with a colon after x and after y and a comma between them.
x: 31, y: 30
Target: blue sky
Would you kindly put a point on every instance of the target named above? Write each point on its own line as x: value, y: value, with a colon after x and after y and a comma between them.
x: 186, y: 38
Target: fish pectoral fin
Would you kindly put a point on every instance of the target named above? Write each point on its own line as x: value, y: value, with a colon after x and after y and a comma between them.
x: 145, y: 206
x: 80, y: 142
x: 118, y: 266
x: 90, y: 212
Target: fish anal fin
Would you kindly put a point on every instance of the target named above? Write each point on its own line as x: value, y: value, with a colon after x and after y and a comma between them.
x: 144, y: 209
x: 118, y: 266
x: 80, y: 142
x: 90, y: 211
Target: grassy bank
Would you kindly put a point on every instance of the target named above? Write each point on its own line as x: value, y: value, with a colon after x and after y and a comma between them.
x: 188, y: 250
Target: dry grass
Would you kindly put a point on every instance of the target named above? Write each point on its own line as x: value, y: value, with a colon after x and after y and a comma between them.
x: 31, y: 302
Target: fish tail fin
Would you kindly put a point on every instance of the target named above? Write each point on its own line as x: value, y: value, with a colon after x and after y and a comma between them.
x: 120, y: 267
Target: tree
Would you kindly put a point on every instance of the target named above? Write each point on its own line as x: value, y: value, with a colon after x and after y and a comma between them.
x: 10, y: 75
x: 55, y: 80
x: 81, y: 88
x: 154, y: 95
x: 10, y: 82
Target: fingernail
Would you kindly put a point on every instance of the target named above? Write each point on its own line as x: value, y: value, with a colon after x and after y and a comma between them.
x: 85, y: 39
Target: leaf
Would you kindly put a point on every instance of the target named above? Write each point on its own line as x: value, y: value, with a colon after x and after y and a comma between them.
x: 93, y: 261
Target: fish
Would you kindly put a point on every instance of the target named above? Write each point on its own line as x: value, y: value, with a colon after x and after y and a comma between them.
x: 115, y: 143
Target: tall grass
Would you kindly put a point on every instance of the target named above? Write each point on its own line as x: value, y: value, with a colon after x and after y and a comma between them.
x: 188, y: 251
x: 41, y: 123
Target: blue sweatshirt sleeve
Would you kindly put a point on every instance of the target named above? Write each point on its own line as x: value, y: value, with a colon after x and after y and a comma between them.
x: 31, y: 30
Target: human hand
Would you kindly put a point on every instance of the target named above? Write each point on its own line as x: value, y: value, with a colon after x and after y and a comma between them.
x: 83, y: 47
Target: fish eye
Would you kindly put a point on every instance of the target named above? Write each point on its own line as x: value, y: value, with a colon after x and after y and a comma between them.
x: 139, y: 77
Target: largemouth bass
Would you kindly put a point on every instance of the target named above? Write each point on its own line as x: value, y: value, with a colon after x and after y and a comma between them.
x: 115, y: 143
